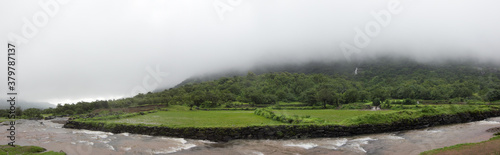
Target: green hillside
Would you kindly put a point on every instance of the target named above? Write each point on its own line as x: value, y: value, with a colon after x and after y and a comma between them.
x: 325, y: 85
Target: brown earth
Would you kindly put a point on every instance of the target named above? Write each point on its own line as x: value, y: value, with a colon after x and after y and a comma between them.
x: 489, y: 147
x: 131, y: 109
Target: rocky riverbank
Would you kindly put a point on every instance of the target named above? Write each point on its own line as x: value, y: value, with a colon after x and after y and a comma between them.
x: 283, y: 131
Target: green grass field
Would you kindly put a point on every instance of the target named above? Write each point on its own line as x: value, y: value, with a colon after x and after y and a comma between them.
x: 199, y: 119
x: 180, y: 116
x: 330, y: 116
x: 235, y: 118
x: 4, y: 119
x: 6, y: 149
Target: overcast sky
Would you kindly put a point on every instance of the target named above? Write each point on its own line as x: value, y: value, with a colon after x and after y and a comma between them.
x: 101, y: 49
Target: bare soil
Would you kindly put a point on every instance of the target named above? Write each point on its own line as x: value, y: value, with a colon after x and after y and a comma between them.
x: 489, y: 147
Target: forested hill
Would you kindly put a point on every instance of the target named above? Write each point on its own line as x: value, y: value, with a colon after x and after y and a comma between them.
x: 380, y: 67
x: 338, y: 83
x: 327, y: 68
x: 328, y: 83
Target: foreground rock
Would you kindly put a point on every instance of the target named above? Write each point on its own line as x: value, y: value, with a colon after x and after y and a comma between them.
x: 494, y: 130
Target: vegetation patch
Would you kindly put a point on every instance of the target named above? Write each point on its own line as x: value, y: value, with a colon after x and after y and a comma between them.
x: 26, y: 150
x: 413, y: 114
x: 198, y: 119
x: 486, y: 147
x: 330, y: 116
x: 295, y: 119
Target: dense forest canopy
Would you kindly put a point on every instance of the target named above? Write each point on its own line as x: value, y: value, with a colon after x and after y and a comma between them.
x: 324, y: 84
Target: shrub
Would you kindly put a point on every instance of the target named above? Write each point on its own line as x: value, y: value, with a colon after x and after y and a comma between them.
x: 386, y: 105
x: 428, y: 109
x: 267, y: 113
x: 409, y: 102
x: 355, y: 106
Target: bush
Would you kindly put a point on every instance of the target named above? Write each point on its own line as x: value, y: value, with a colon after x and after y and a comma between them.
x: 355, y: 106
x: 267, y: 113
x: 413, y: 114
x: 409, y: 102
x: 428, y: 109
x: 208, y: 104
x: 386, y: 105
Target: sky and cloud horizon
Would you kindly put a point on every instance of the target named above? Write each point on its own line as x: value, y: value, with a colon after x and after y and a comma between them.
x: 89, y: 50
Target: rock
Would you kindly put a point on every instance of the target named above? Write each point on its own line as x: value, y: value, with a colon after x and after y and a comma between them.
x: 495, y: 129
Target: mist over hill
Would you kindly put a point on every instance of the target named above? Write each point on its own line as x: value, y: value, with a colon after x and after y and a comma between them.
x: 23, y: 104
x: 368, y: 67
x: 325, y: 83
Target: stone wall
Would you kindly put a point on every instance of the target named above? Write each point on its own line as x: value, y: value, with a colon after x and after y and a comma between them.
x: 283, y: 131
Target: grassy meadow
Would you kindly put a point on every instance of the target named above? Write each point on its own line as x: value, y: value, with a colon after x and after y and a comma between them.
x: 199, y: 119
x: 6, y: 149
x: 181, y: 116
x: 329, y: 115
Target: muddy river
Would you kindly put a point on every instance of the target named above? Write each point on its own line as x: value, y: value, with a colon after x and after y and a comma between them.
x: 52, y: 136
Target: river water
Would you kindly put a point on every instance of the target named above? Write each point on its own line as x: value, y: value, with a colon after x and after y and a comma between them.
x: 84, y: 142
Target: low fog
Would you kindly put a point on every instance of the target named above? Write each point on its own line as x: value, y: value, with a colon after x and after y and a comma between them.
x: 90, y: 49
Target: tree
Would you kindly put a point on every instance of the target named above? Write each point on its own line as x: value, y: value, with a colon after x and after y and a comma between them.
x: 380, y: 93
x: 80, y: 111
x: 327, y: 96
x: 363, y: 96
x: 33, y: 113
x: 235, y: 89
x: 19, y: 112
x: 69, y: 112
x: 4, y: 113
x: 493, y: 95
x: 197, y: 97
x: 350, y: 96
x: 376, y: 102
x: 309, y: 97
x: 282, y: 95
x: 251, y: 76
x: 439, y: 93
x: 461, y: 91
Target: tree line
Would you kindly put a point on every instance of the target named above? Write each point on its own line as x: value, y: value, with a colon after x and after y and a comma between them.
x: 374, y: 81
